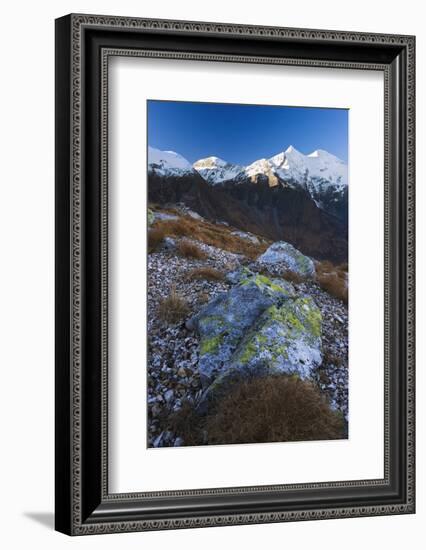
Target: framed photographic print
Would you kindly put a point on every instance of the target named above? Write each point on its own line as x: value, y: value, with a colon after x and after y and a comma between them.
x: 234, y: 274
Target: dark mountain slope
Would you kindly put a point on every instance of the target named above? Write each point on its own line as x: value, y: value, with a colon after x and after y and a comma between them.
x: 279, y: 213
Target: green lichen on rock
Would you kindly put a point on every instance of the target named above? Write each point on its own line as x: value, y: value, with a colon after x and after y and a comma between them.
x: 260, y: 325
x: 286, y: 338
x: 251, y: 348
x: 223, y: 322
x: 311, y: 315
x: 268, y: 286
x: 211, y: 345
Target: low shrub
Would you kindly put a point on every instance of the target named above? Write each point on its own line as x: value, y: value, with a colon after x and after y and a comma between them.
x: 208, y: 273
x: 189, y: 249
x: 272, y: 409
x: 155, y: 238
x: 260, y: 410
x: 173, y: 308
x: 293, y: 277
x: 181, y: 227
x: 187, y: 424
x: 333, y: 279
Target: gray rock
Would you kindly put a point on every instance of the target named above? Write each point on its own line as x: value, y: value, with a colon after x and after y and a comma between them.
x: 169, y: 243
x: 158, y: 441
x: 194, y: 215
x: 285, y: 255
x: 285, y: 339
x: 185, y: 211
x: 243, y: 275
x: 235, y: 277
x: 246, y: 236
x: 169, y: 395
x: 223, y: 322
x: 164, y: 216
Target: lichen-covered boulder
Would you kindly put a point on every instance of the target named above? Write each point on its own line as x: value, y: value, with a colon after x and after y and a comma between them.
x: 244, y: 276
x: 224, y: 321
x: 285, y: 339
x: 285, y: 255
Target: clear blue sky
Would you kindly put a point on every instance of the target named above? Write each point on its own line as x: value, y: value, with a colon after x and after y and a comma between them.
x: 244, y: 133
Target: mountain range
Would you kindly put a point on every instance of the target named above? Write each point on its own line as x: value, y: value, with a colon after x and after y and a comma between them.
x: 299, y: 198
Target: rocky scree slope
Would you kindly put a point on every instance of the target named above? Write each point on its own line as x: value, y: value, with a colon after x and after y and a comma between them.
x: 251, y: 323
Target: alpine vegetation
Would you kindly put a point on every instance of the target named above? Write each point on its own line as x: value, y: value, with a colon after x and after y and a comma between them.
x: 247, y: 288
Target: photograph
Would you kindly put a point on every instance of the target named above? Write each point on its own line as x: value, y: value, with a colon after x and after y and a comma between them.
x: 235, y: 286
x: 247, y: 273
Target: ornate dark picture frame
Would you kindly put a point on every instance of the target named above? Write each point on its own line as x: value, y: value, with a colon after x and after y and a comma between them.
x: 84, y: 44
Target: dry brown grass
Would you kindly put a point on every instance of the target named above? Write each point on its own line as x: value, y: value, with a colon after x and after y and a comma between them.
x: 189, y: 249
x: 175, y: 228
x: 173, y: 308
x: 260, y: 410
x: 207, y: 273
x: 293, y: 277
x: 333, y: 279
x: 188, y: 425
x: 274, y: 408
x: 155, y: 238
x: 212, y: 234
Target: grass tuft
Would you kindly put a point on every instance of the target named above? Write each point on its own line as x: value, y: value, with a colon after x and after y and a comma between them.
x: 333, y: 279
x: 260, y: 410
x: 273, y: 408
x: 293, y: 277
x: 173, y: 308
x: 155, y: 239
x: 189, y: 249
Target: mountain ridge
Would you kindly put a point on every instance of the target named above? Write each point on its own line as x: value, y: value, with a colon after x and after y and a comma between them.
x: 319, y: 172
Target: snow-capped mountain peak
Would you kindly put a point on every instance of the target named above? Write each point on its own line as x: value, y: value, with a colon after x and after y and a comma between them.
x: 290, y: 166
x: 319, y: 166
x: 292, y: 150
x: 209, y: 162
x: 317, y: 153
x: 320, y: 174
x: 321, y: 153
x: 216, y: 170
x: 262, y: 167
x: 167, y: 163
x: 258, y: 167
